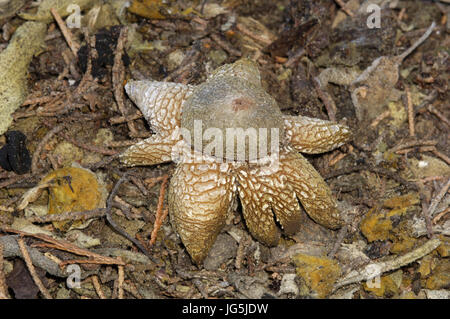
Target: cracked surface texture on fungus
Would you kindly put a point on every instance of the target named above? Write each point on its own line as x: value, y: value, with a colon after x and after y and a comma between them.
x: 271, y: 180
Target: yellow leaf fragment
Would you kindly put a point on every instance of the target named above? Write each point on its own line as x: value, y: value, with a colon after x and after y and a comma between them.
x: 387, y: 286
x: 375, y: 226
x: 378, y: 223
x: 403, y: 201
x: 150, y: 9
x: 72, y: 189
x: 440, y: 278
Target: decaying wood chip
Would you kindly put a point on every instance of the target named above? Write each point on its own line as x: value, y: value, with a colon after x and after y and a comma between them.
x: 375, y: 269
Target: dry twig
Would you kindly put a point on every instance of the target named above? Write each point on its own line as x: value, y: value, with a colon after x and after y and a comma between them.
x: 373, y: 270
x: 379, y: 118
x: 326, y: 99
x: 430, y: 98
x: 437, y: 199
x: 440, y: 215
x: 410, y: 109
x: 74, y: 46
x: 31, y: 269
x: 160, y: 213
x: 120, y: 281
x: 243, y: 244
x: 425, y: 213
x: 41, y: 145
x: 66, y: 246
x: 88, y: 214
x: 102, y: 162
x: 92, y: 148
x: 344, y: 8
x: 118, y: 77
x: 225, y: 45
x: 98, y: 288
x: 441, y: 155
x: 378, y: 170
x: 412, y: 144
x: 441, y: 116
x: 125, y: 119
x: 109, y: 204
x: 340, y: 238
x: 334, y: 160
x: 17, y: 178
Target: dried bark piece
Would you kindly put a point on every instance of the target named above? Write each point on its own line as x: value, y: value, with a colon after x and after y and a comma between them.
x: 43, y: 13
x: 9, y: 8
x: 372, y: 88
x: 21, y: 282
x: 26, y: 42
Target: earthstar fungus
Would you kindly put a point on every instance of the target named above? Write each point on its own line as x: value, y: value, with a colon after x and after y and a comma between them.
x: 269, y: 179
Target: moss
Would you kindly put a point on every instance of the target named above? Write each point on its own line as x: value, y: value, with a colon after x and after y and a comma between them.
x: 379, y: 224
x: 402, y: 243
x: 375, y: 226
x: 444, y: 247
x: 389, y: 285
x: 440, y: 278
x: 318, y: 273
x: 427, y: 264
x: 404, y: 201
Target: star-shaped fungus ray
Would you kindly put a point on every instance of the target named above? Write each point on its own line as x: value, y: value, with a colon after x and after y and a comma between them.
x: 200, y: 197
x: 244, y: 69
x: 151, y: 151
x: 161, y: 104
x: 265, y: 192
x: 314, y: 136
x: 311, y: 189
